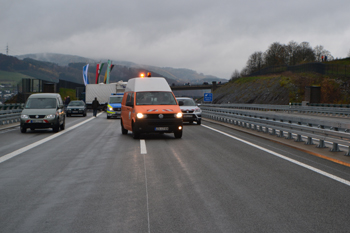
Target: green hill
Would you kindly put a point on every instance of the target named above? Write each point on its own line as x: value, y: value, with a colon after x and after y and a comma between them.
x: 285, y: 87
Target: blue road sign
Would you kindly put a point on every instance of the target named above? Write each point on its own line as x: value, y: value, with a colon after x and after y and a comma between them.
x: 208, y: 97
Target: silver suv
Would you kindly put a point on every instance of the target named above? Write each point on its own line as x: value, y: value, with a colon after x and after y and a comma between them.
x: 44, y: 110
x: 190, y: 111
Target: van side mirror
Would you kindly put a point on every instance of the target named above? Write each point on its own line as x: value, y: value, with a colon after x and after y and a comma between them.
x: 181, y: 103
x: 129, y: 104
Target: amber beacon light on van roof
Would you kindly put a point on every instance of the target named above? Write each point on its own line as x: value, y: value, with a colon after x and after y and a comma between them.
x: 142, y: 75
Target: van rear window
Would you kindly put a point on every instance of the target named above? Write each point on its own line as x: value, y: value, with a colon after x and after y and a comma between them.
x: 155, y: 98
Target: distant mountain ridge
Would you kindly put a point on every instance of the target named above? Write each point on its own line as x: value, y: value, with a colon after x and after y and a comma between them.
x: 179, y: 75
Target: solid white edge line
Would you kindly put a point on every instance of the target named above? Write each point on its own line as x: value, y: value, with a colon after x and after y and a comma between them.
x: 336, y: 178
x: 143, y: 146
x: 30, y: 146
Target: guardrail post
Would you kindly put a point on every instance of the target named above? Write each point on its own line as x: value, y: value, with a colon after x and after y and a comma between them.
x: 273, y: 131
x: 255, y: 128
x: 348, y: 153
x: 321, y: 144
x: 289, y: 136
x: 309, y: 141
x: 299, y: 139
x: 280, y: 134
x: 335, y: 148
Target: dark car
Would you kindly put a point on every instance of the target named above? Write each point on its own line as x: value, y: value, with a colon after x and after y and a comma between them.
x: 76, y: 107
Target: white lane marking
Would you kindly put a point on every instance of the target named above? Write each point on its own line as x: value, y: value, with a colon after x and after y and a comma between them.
x: 336, y: 178
x: 146, y: 186
x: 143, y: 146
x: 30, y: 146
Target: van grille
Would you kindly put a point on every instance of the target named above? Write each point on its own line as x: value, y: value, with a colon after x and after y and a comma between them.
x: 165, y: 116
x: 34, y: 116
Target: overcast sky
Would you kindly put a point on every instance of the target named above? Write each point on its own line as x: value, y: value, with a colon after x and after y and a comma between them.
x: 213, y: 37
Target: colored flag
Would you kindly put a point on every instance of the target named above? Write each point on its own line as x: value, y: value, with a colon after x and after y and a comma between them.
x: 98, y: 71
x: 85, y: 74
x: 106, y: 79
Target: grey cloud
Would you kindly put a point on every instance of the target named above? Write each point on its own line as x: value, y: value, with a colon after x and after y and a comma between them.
x: 212, y: 37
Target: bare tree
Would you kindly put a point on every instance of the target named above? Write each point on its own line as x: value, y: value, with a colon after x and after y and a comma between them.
x: 235, y: 75
x: 318, y: 50
x: 275, y: 55
x: 291, y: 52
x: 255, y: 62
x: 306, y: 54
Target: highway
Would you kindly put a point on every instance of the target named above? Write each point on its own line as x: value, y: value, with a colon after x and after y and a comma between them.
x: 91, y: 178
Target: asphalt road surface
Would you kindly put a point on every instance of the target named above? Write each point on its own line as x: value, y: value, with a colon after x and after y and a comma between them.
x: 91, y: 178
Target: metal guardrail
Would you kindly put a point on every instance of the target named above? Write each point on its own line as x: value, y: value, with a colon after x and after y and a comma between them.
x: 325, y: 129
x: 10, y: 113
x: 314, y: 110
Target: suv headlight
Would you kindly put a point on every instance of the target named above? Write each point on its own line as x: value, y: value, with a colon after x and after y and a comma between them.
x: 51, y: 116
x: 179, y: 115
x: 24, y: 116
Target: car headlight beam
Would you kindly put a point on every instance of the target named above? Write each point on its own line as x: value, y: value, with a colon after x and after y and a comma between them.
x: 179, y: 115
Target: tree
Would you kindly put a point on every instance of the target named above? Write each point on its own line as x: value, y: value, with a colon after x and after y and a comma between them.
x: 275, y: 55
x: 235, y: 75
x: 318, y: 50
x: 291, y: 52
x: 305, y: 54
x: 255, y: 62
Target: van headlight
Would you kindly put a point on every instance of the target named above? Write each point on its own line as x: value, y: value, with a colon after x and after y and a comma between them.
x: 179, y: 115
x: 24, y: 116
x: 140, y: 115
x: 110, y: 109
x: 51, y: 116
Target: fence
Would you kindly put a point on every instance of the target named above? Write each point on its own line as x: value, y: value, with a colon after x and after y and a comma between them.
x: 318, y: 67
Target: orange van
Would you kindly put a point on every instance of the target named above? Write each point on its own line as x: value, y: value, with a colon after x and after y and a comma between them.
x: 149, y: 106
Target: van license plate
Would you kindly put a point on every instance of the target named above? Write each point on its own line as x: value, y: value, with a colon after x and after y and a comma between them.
x: 37, y: 121
x: 162, y: 128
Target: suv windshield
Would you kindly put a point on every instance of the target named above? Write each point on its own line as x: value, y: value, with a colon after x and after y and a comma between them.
x: 187, y: 102
x: 155, y: 98
x: 41, y: 103
x: 76, y: 103
x: 115, y: 99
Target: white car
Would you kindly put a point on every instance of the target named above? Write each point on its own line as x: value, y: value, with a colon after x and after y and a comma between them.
x: 190, y: 110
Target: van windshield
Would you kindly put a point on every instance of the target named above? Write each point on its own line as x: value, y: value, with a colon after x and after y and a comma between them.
x: 115, y: 99
x: 41, y: 103
x: 155, y: 98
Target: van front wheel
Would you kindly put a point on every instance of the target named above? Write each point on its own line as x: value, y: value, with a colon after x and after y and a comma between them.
x: 124, y: 131
x: 135, y: 132
x: 178, y: 134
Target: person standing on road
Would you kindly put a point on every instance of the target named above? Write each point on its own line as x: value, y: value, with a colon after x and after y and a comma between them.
x: 95, y: 105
